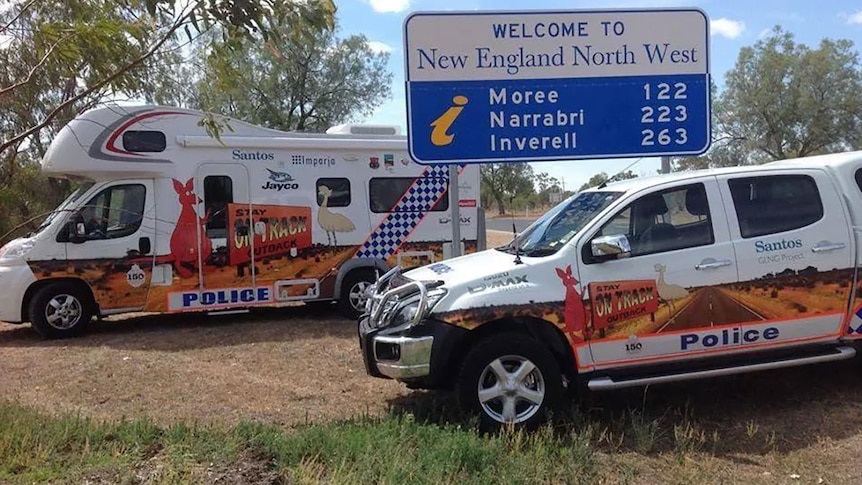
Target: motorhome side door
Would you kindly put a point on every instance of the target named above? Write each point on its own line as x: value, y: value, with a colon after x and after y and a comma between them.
x: 794, y: 245
x: 115, y: 254
x: 670, y: 283
x: 224, y: 241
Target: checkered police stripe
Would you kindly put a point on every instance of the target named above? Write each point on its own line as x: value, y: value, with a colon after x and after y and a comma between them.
x: 406, y: 214
x: 855, y: 326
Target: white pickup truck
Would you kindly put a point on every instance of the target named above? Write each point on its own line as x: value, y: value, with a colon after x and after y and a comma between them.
x: 645, y: 281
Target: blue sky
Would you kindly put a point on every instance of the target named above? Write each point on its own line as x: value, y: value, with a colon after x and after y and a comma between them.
x: 733, y: 24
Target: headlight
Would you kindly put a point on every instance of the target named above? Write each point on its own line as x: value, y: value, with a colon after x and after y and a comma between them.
x: 405, y: 314
x: 17, y: 248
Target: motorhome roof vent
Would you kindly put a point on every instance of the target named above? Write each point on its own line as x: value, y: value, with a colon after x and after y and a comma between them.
x: 350, y: 129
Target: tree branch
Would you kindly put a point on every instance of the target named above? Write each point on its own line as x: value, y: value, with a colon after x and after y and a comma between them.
x: 99, y: 85
x: 29, y: 77
x: 17, y: 16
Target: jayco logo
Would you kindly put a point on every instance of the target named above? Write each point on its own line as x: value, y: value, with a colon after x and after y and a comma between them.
x: 766, y: 247
x: 440, y: 127
x: 279, y: 181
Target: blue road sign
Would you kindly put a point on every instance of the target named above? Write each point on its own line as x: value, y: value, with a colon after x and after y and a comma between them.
x: 556, y: 85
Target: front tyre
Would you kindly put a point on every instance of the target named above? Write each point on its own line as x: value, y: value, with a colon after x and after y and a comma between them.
x: 60, y: 310
x: 510, y: 379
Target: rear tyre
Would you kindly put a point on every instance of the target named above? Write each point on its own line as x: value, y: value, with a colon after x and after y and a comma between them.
x: 509, y: 379
x: 60, y: 310
x: 353, y: 288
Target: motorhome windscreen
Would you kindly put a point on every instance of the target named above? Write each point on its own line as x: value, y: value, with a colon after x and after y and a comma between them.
x: 553, y: 230
x: 73, y: 197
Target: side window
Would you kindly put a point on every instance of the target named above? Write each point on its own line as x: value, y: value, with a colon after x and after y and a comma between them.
x: 859, y: 178
x: 672, y: 219
x: 218, y: 193
x: 333, y: 192
x: 114, y: 212
x: 384, y: 194
x: 775, y: 203
x: 144, y: 141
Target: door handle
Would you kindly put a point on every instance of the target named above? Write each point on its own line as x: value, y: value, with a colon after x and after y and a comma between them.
x: 712, y: 263
x: 823, y: 247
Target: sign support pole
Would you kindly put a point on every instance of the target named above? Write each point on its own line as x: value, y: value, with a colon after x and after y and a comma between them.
x: 665, y: 164
x: 454, y: 209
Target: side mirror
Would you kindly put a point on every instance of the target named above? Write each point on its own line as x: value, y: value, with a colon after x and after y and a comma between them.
x: 615, y: 246
x: 74, y: 231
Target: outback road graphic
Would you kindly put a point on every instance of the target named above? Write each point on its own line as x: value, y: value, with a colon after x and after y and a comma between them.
x: 710, y: 306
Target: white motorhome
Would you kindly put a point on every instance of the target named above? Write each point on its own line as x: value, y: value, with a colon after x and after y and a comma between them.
x: 169, y: 218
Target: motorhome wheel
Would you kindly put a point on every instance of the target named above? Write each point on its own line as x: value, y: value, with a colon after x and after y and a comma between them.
x: 509, y: 379
x: 356, y: 283
x: 60, y: 310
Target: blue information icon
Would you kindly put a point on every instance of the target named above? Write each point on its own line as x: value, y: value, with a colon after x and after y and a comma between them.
x: 593, y: 94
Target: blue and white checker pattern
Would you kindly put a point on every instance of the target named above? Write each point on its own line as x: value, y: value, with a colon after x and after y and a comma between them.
x: 855, y: 327
x: 407, y: 213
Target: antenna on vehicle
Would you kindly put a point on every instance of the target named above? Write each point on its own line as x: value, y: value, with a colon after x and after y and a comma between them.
x: 611, y: 179
x: 517, y: 246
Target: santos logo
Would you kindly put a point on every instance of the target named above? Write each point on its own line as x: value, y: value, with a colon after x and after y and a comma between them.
x: 727, y: 337
x: 765, y: 247
x: 241, y: 155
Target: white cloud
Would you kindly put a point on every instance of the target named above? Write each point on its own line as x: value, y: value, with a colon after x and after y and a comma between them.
x: 379, y: 46
x: 856, y: 18
x: 726, y: 27
x: 387, y: 6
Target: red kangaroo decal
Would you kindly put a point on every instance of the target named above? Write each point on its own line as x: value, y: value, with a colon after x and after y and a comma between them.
x: 184, y: 247
x: 574, y: 312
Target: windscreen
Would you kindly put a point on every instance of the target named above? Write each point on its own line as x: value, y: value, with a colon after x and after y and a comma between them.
x: 73, y: 197
x: 554, y: 229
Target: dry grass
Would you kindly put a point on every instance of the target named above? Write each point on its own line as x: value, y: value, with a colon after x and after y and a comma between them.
x: 283, y: 366
x: 289, y: 366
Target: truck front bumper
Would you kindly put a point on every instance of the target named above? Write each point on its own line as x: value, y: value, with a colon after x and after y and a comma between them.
x: 423, y: 353
x: 14, y: 280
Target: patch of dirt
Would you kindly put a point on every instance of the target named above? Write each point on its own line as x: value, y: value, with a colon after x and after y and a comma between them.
x: 496, y: 239
x: 286, y: 366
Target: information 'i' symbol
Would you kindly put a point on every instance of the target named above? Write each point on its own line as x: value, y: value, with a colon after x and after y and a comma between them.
x: 439, y: 134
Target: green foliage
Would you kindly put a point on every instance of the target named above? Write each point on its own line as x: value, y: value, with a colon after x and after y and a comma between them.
x: 36, y: 448
x: 61, y: 57
x: 785, y: 100
x: 503, y: 182
x: 310, y: 81
x: 27, y: 197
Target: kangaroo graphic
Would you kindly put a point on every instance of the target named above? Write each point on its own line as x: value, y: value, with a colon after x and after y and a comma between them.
x: 184, y: 247
x: 574, y: 313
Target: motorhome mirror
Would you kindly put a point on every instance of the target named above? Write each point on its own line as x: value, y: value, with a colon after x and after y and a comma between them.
x: 610, y: 247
